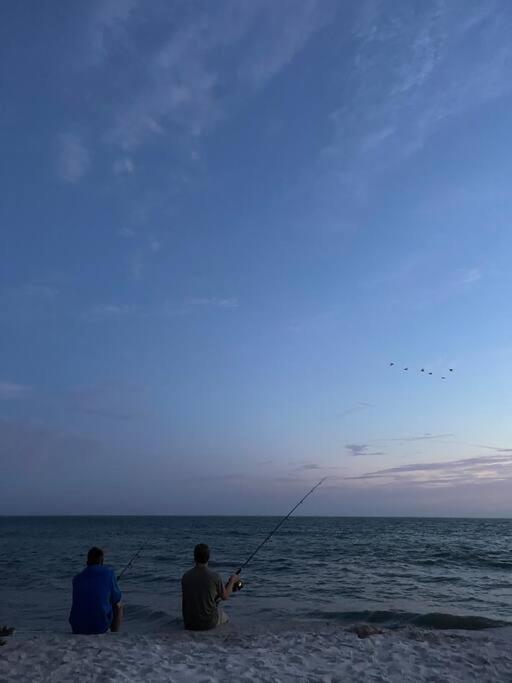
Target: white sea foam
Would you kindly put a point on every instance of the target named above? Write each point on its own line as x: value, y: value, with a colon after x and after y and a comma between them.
x: 325, y: 653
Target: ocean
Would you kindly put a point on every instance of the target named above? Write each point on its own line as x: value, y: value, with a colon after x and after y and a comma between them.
x: 436, y: 573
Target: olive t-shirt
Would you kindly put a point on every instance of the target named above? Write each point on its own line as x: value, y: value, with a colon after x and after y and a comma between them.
x: 200, y: 588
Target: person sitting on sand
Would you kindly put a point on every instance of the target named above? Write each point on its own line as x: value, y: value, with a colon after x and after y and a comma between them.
x: 201, y: 590
x: 96, y: 606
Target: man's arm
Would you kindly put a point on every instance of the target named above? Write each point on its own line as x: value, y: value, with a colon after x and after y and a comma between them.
x: 228, y: 588
x: 115, y: 595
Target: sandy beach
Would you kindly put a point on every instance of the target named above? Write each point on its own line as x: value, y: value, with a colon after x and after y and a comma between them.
x: 321, y: 654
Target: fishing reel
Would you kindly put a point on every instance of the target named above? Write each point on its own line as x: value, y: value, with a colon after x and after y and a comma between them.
x: 237, y: 586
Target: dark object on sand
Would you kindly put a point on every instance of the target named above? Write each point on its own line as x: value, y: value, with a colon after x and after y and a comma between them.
x: 6, y: 631
x: 365, y: 630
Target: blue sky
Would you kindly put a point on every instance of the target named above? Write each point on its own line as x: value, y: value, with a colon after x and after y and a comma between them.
x: 220, y: 222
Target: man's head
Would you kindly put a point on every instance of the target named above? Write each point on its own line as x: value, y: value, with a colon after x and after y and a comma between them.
x: 95, y: 556
x: 201, y: 553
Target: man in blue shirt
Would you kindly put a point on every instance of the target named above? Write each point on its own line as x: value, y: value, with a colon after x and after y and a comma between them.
x: 96, y: 604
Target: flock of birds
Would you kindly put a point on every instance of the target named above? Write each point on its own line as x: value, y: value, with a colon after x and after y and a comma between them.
x: 427, y: 372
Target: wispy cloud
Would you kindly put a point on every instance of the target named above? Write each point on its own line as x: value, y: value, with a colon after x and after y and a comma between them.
x: 356, y: 449
x: 108, y: 24
x: 154, y: 244
x: 126, y: 232
x: 112, y: 312
x: 73, y: 159
x: 497, y: 449
x: 143, y: 249
x: 30, y: 450
x: 11, y: 391
x: 137, y: 265
x: 123, y: 166
x: 205, y: 62
x: 111, y: 400
x: 276, y: 48
x: 421, y: 437
x: 414, y: 68
x: 356, y: 408
x: 433, y: 281
x: 467, y: 470
x: 316, y: 467
x: 468, y: 277
x: 104, y: 312
x: 28, y: 302
x: 213, y: 302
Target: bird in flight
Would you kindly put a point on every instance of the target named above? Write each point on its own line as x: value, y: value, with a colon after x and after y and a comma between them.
x: 423, y: 370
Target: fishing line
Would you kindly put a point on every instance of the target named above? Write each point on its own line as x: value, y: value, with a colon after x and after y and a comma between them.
x: 134, y: 558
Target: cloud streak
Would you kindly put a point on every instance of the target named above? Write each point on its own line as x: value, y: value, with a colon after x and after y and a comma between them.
x: 123, y: 166
x: 422, y: 437
x: 110, y: 400
x: 453, y: 472
x: 108, y: 25
x: 214, y: 302
x: 414, y: 68
x: 356, y: 408
x: 357, y: 449
x: 105, y: 312
x: 73, y: 159
x: 10, y: 391
x: 28, y: 303
x: 205, y: 63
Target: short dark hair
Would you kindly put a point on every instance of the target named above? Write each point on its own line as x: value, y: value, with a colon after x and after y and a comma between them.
x: 95, y: 556
x: 201, y: 553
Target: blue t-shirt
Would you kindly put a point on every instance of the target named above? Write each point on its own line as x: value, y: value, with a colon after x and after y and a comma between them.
x: 95, y: 590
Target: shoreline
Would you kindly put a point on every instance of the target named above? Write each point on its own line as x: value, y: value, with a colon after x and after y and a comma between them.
x: 324, y: 653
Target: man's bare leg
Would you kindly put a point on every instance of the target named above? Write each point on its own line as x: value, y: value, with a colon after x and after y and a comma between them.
x: 117, y: 618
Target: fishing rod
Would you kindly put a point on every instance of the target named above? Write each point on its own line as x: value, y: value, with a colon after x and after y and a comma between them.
x: 239, y: 585
x: 134, y: 558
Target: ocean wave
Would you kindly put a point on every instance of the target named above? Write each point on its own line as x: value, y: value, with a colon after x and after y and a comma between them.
x: 468, y: 560
x: 165, y: 579
x: 397, y: 619
x: 147, y: 615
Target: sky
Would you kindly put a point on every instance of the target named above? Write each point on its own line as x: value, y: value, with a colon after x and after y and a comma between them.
x: 219, y: 225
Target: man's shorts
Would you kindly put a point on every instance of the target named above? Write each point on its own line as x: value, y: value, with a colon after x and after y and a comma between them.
x: 222, y: 617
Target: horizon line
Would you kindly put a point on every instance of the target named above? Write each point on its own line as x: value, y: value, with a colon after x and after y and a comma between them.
x: 233, y: 515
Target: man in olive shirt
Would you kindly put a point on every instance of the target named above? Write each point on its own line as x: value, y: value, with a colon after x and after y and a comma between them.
x: 201, y: 590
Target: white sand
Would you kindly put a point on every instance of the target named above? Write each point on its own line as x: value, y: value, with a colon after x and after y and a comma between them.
x: 325, y: 653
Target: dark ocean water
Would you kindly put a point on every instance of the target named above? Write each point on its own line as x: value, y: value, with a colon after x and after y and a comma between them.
x: 436, y: 573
